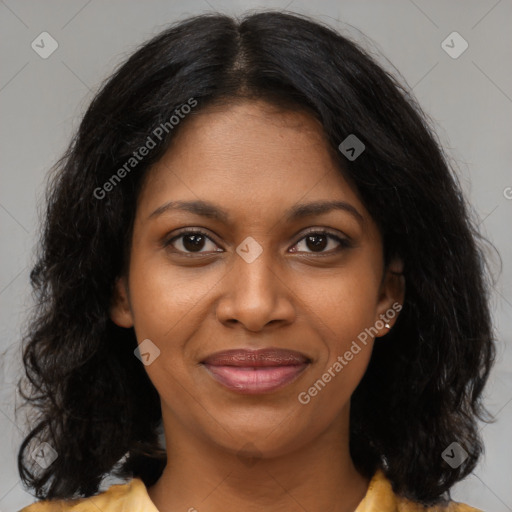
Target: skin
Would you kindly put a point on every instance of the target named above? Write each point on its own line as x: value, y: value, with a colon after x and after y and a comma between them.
x: 228, y: 451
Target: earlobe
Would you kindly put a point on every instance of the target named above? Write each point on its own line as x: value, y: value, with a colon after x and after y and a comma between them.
x: 391, y: 297
x: 120, y: 310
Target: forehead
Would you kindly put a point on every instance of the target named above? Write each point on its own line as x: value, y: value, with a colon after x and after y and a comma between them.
x: 249, y: 154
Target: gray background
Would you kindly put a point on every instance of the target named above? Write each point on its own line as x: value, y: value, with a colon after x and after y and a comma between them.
x: 469, y: 99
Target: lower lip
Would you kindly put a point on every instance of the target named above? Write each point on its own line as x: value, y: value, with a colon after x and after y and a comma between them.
x: 251, y: 380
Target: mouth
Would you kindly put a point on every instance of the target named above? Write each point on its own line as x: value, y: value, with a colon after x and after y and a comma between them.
x: 256, y: 371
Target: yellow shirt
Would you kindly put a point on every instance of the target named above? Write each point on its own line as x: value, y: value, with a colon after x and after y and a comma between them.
x: 133, y: 497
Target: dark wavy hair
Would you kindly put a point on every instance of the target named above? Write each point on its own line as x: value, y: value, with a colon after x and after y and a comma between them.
x: 92, y: 400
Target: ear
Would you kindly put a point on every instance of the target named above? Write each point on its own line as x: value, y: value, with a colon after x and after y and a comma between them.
x: 391, y: 297
x: 120, y: 310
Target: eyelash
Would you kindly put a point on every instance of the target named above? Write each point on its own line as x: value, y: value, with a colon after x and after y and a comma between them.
x: 343, y: 242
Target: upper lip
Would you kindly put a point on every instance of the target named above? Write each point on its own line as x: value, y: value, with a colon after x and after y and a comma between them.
x: 254, y: 358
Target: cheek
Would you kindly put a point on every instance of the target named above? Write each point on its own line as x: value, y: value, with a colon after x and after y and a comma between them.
x: 350, y: 322
x: 168, y: 305
x: 165, y: 299
x: 343, y: 308
x: 344, y: 302
x: 343, y: 314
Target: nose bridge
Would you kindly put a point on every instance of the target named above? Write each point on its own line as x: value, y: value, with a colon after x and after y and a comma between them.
x: 255, y: 295
x: 255, y: 268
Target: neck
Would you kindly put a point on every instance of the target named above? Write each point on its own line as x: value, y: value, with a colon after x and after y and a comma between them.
x: 317, y: 476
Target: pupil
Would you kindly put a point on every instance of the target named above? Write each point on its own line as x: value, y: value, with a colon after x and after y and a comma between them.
x: 196, y: 242
x: 316, y: 245
x: 193, y: 242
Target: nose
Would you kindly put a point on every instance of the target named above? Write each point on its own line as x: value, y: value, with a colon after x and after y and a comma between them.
x: 255, y: 294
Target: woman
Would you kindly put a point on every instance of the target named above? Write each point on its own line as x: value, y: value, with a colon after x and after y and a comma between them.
x: 255, y: 242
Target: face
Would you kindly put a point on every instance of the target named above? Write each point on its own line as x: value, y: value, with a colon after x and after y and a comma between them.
x: 261, y: 274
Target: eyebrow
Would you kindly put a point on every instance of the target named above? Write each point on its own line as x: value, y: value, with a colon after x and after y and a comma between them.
x: 299, y: 211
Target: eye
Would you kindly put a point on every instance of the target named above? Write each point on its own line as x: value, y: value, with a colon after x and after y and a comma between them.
x: 317, y: 241
x: 191, y: 241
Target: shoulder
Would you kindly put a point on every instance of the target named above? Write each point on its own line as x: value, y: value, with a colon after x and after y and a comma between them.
x: 404, y: 505
x: 117, y: 498
x: 381, y: 498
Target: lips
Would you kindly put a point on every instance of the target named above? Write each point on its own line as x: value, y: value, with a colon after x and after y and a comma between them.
x: 256, y: 371
x: 256, y: 358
